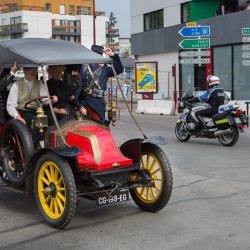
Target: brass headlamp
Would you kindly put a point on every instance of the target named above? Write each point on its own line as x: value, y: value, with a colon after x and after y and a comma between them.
x: 114, y: 113
x: 40, y: 120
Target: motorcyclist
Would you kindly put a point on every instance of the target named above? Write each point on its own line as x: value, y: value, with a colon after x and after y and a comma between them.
x: 214, y: 96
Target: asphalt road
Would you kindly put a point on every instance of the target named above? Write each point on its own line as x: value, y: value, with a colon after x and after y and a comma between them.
x: 209, y: 207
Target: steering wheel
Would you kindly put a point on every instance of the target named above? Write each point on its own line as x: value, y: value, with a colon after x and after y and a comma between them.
x: 35, y: 100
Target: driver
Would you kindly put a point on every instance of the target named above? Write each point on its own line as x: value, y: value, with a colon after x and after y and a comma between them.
x: 23, y: 91
x: 214, y: 96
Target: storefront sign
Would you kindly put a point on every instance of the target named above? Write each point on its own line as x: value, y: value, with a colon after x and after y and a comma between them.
x: 203, y: 43
x: 195, y: 61
x: 246, y: 47
x: 245, y: 31
x: 246, y: 54
x: 194, y: 53
x: 245, y: 39
x: 246, y: 62
x: 146, y: 77
x: 201, y: 31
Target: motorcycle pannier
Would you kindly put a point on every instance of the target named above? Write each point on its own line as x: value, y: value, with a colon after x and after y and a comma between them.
x: 221, y: 121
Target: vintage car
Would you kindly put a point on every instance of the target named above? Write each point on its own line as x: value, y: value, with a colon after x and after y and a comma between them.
x: 78, y: 155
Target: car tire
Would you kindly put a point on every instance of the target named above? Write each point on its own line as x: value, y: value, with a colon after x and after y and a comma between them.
x: 19, y: 148
x: 156, y: 197
x: 55, y: 190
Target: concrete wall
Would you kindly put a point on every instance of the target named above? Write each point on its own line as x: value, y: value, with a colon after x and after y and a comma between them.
x: 225, y: 29
x: 165, y: 62
x: 39, y: 24
x: 140, y: 7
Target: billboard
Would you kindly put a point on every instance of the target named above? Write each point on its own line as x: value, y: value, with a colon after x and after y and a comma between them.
x: 146, y: 77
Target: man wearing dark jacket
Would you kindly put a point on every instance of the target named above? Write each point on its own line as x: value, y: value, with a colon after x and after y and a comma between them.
x: 92, y: 87
x: 6, y: 78
x: 214, y: 96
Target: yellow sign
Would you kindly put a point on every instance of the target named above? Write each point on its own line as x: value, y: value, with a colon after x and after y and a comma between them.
x: 191, y: 24
x: 146, y: 77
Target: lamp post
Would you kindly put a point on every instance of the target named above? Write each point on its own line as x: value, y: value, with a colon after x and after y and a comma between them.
x: 94, y: 28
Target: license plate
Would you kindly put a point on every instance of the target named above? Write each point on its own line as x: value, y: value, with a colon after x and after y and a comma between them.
x: 237, y: 120
x: 122, y: 195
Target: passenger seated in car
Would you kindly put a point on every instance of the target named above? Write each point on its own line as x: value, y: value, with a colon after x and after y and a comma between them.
x: 23, y: 91
x: 6, y: 77
x: 67, y: 102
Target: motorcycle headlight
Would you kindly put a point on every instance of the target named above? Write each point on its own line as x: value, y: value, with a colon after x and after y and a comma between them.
x: 182, y: 104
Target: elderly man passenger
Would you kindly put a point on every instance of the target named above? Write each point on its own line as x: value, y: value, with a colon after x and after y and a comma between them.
x: 23, y: 91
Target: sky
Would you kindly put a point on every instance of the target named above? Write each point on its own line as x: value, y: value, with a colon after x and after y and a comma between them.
x: 121, y: 10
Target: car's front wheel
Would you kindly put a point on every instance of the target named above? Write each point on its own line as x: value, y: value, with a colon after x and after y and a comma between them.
x: 55, y: 190
x: 156, y: 165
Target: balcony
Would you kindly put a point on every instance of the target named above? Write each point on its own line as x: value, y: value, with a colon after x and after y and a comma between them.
x: 11, y: 8
x: 13, y: 28
x: 66, y: 30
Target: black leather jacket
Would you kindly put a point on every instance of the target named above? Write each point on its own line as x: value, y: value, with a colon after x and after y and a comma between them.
x: 4, y: 82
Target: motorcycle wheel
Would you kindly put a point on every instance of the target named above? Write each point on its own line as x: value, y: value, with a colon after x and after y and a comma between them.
x: 230, y: 139
x: 181, y: 133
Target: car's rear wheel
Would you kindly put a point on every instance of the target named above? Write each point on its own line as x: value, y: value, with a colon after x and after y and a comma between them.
x: 18, y: 150
x: 55, y: 190
x: 156, y: 165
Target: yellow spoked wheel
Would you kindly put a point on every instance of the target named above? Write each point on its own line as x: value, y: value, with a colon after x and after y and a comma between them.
x: 51, y: 190
x: 152, y: 167
x: 156, y: 194
x: 55, y: 190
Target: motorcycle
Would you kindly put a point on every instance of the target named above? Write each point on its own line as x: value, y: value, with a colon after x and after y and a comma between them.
x: 224, y: 126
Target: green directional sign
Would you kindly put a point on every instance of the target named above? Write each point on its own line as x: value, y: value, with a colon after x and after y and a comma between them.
x: 203, y: 43
x: 245, y: 31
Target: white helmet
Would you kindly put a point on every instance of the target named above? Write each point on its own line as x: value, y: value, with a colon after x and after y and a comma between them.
x: 213, y: 80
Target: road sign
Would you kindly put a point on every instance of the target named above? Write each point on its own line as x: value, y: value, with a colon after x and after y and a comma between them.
x: 191, y: 24
x: 246, y: 54
x: 245, y: 31
x: 246, y: 62
x: 203, y: 43
x: 195, y: 61
x: 246, y: 39
x: 194, y: 53
x: 195, y: 31
x: 246, y: 47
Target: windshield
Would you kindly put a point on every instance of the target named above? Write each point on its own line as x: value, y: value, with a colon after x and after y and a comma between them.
x: 188, y: 92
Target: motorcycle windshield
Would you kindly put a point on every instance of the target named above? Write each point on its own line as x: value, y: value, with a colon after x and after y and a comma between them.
x: 188, y: 92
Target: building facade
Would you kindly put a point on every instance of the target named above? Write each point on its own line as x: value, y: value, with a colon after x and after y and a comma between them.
x: 155, y: 26
x: 70, y: 20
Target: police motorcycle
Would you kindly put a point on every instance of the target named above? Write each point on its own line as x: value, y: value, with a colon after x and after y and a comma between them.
x: 224, y: 126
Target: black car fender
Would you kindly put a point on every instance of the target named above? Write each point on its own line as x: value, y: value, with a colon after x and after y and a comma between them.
x: 132, y: 148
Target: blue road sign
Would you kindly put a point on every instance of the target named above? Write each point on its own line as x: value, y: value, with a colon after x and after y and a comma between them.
x: 195, y: 31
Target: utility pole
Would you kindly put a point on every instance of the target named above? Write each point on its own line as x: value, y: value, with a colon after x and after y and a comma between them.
x: 94, y: 28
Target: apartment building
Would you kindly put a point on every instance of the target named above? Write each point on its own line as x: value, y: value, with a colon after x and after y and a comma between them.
x: 70, y: 20
x: 155, y: 26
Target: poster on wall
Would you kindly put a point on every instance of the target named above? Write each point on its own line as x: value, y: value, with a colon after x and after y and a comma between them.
x: 146, y: 77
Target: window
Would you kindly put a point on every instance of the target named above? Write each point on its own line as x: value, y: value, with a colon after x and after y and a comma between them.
x: 83, y: 10
x: 16, y: 36
x: 57, y: 22
x: 47, y: 7
x: 4, y: 21
x: 223, y: 66
x: 153, y: 20
x: 15, y: 20
x: 241, y: 74
x: 62, y: 9
x: 185, y: 12
x: 14, y: 7
x: 72, y: 10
